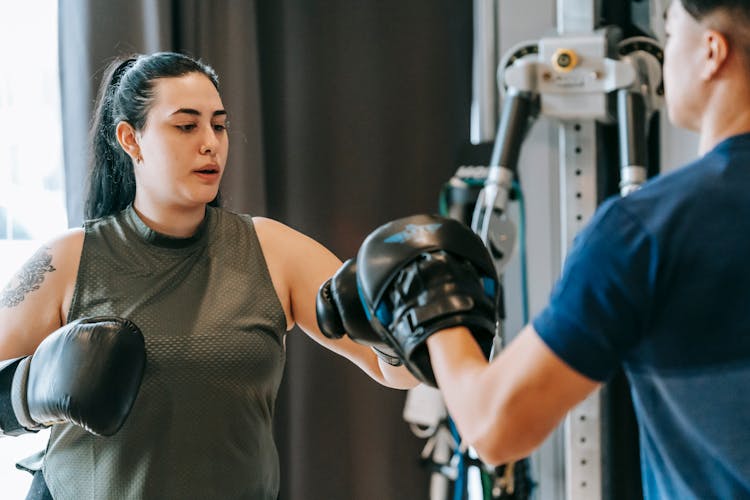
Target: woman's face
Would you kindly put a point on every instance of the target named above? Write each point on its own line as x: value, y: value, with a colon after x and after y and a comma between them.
x: 183, y: 144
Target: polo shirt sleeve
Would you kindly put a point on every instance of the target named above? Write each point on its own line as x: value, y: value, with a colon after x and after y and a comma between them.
x: 600, y: 305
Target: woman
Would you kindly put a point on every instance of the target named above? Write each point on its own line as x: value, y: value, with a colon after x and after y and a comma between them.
x: 213, y: 293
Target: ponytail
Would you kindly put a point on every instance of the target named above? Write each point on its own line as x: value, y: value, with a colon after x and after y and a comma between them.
x: 111, y: 180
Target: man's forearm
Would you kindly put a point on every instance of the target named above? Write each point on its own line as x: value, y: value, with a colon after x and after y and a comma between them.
x: 459, y: 364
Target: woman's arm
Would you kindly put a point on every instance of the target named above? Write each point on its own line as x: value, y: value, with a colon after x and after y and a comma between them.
x: 35, y: 301
x: 299, y: 266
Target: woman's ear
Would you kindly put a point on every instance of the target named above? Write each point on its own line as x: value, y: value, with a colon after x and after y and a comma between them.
x: 128, y: 140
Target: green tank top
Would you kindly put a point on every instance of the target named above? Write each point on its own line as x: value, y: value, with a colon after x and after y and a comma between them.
x: 201, y: 426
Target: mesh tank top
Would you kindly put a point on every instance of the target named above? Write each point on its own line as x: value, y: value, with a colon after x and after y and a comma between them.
x: 201, y: 426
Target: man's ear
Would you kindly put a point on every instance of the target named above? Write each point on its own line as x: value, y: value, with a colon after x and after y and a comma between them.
x: 717, y: 51
x: 128, y: 140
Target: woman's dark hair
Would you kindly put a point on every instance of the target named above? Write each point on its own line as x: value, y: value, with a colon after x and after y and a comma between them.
x: 126, y: 94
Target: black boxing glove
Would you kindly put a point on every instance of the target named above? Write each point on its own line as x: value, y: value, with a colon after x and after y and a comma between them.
x: 340, y: 311
x: 87, y: 373
x: 423, y: 274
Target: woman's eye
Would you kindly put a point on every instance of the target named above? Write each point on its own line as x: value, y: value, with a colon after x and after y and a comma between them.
x: 187, y: 127
x: 221, y: 127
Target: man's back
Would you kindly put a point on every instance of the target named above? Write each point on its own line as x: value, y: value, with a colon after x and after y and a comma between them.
x: 660, y: 284
x: 690, y: 372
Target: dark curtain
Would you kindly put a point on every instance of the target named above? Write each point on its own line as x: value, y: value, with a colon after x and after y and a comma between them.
x: 366, y: 115
x: 344, y: 115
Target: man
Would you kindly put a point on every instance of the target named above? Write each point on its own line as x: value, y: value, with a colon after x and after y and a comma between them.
x: 658, y: 284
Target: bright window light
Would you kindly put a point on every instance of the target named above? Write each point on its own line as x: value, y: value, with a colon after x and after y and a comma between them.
x: 32, y: 206
x: 31, y: 174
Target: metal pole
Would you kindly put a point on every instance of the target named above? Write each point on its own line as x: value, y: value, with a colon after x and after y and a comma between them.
x: 578, y: 199
x: 577, y: 16
x: 484, y: 101
x: 582, y: 427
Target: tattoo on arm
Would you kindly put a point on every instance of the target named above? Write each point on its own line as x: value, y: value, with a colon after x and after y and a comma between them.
x: 28, y: 279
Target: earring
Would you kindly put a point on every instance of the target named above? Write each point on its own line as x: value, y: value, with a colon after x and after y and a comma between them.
x: 139, y: 158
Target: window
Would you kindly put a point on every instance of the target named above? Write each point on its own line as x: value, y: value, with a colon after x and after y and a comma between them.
x: 32, y: 206
x: 31, y: 190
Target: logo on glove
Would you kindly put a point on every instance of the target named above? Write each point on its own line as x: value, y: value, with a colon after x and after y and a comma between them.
x: 414, y: 232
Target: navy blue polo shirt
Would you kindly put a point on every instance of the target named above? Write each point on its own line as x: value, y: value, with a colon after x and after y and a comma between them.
x: 658, y: 283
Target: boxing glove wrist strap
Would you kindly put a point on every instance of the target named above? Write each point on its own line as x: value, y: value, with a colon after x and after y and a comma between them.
x: 18, y: 396
x: 387, y: 358
x: 9, y: 424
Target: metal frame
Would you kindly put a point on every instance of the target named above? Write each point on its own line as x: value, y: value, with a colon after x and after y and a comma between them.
x: 577, y: 16
x: 578, y: 200
x: 484, y: 105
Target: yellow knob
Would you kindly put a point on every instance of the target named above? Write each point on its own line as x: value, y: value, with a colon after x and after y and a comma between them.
x: 564, y: 60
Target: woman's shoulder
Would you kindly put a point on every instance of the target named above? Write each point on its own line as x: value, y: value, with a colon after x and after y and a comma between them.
x: 65, y: 253
x: 67, y: 242
x: 267, y: 224
x: 274, y: 233
x: 290, y: 245
x: 59, y: 252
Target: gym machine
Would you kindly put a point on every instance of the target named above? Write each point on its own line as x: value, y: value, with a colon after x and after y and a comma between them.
x: 599, y: 80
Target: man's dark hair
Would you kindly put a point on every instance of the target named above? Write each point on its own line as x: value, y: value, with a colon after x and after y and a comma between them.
x: 730, y: 17
x: 701, y: 8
